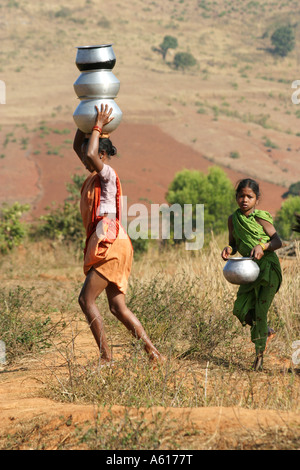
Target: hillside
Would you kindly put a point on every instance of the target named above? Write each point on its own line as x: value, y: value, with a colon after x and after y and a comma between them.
x: 236, y: 102
x: 233, y: 109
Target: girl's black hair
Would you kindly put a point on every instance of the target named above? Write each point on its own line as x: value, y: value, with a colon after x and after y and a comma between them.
x: 105, y: 144
x: 248, y: 183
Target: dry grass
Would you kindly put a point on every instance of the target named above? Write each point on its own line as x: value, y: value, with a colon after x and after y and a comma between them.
x: 185, y: 304
x: 243, y: 94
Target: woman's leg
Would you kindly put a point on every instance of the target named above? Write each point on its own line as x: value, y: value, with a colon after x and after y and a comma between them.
x: 93, y: 286
x: 260, y: 329
x: 119, y: 309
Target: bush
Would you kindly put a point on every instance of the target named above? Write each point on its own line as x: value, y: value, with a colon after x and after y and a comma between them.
x: 214, y: 190
x: 21, y: 331
x: 294, y: 190
x: 283, y: 40
x: 64, y: 222
x: 140, y: 246
x: 12, y: 230
x: 285, y: 217
x: 183, y: 60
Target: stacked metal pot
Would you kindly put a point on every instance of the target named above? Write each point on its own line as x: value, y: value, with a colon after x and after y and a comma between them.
x: 96, y: 85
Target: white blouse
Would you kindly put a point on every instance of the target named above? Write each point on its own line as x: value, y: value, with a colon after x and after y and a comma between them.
x: 108, y: 190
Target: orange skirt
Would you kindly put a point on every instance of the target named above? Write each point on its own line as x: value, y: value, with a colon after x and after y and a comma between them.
x: 111, y: 260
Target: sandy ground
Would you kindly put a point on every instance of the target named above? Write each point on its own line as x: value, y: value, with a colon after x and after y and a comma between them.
x: 38, y: 421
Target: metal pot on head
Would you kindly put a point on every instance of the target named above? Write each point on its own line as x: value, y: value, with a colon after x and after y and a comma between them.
x: 96, y: 83
x: 241, y: 270
x: 101, y: 57
x: 85, y: 114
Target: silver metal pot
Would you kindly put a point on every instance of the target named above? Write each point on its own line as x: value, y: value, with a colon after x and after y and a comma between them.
x: 101, y: 57
x: 97, y: 84
x: 85, y: 114
x: 241, y: 270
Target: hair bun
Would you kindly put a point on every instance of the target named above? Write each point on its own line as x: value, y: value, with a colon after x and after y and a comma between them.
x: 105, y: 144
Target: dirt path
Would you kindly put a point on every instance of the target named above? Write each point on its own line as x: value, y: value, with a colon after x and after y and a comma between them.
x: 38, y: 421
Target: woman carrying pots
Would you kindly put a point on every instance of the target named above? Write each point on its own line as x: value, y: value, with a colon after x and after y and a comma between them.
x: 108, y: 252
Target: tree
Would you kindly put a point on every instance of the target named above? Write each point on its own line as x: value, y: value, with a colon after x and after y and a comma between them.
x: 169, y: 42
x: 214, y: 190
x: 283, y: 40
x: 294, y: 190
x: 285, y: 217
x: 184, y: 60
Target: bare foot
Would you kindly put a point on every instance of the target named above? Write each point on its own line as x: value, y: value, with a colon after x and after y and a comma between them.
x: 157, y: 359
x: 258, y: 363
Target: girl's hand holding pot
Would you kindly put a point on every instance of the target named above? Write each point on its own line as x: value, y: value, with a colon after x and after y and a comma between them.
x: 103, y: 116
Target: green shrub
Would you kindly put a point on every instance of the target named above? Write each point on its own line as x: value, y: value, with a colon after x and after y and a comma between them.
x: 214, y: 190
x: 294, y: 190
x: 64, y: 12
x: 234, y: 154
x: 183, y: 60
x: 283, y: 40
x: 285, y: 217
x: 64, y: 222
x: 12, y: 230
x: 140, y: 246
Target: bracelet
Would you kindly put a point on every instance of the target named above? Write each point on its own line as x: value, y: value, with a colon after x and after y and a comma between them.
x: 97, y: 128
x: 263, y: 246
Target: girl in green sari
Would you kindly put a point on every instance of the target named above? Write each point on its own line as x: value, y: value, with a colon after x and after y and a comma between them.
x: 252, y: 234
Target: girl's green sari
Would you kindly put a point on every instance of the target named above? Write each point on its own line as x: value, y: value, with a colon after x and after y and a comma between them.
x: 254, y: 299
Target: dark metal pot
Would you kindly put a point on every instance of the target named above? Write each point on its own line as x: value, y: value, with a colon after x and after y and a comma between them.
x: 101, y: 57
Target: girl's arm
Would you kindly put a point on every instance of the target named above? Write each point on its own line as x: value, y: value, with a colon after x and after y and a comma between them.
x: 102, y: 118
x: 231, y: 249
x: 78, y: 141
x: 274, y: 244
x: 78, y: 148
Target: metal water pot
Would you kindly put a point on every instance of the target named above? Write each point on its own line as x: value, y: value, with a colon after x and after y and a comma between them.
x: 101, y: 57
x: 241, y: 270
x: 97, y: 83
x: 85, y: 115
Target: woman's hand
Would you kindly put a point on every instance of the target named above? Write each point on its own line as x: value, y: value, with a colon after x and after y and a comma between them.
x: 257, y: 252
x: 103, y: 116
x: 226, y: 252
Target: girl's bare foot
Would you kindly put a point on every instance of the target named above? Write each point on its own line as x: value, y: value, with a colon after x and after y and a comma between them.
x: 156, y: 359
x: 258, y: 363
